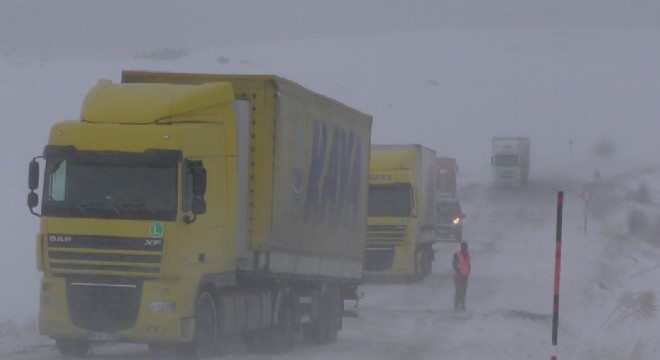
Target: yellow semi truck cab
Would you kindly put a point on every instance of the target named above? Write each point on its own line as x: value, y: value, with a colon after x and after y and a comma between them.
x: 120, y: 189
x: 401, y: 217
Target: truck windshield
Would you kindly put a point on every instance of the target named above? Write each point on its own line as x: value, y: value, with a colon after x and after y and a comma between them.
x: 390, y: 200
x: 448, y: 209
x: 110, y: 189
x: 506, y: 160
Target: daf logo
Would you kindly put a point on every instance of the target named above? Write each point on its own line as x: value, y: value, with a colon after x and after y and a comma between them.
x: 59, y: 238
x: 153, y: 242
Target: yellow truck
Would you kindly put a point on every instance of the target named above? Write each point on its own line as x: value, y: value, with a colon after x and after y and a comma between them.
x: 183, y: 209
x: 401, y: 212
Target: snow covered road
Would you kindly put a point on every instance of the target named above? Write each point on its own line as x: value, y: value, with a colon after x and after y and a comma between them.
x: 511, y: 233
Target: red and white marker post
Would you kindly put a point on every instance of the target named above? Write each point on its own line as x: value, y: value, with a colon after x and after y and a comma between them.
x: 555, y: 304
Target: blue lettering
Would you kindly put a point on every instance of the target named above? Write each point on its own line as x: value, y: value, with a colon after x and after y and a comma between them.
x: 330, y: 182
x: 334, y: 183
x: 354, y: 186
x: 319, y: 141
x: 346, y: 148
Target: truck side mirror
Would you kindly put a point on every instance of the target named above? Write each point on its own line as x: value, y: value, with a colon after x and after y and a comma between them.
x: 199, y: 181
x: 198, y: 206
x: 33, y: 175
x: 33, y: 184
x: 32, y: 200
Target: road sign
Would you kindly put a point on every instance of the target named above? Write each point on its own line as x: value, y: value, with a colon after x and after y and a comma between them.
x: 586, y: 195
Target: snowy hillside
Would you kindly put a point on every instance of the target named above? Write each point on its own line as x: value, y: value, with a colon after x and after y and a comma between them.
x: 590, y: 77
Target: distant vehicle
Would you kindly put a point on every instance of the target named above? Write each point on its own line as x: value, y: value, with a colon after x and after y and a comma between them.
x: 510, y: 159
x: 449, y: 225
x: 446, y: 169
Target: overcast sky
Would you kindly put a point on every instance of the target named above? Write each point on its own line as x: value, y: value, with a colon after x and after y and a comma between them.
x: 121, y: 27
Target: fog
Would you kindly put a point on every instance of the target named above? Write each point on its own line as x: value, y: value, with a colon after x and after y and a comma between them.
x: 446, y: 74
x: 125, y: 27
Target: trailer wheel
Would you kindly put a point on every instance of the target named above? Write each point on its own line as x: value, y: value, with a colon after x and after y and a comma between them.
x: 283, y: 334
x: 73, y: 348
x: 333, y: 312
x: 326, y: 328
x: 206, y: 328
x: 280, y: 337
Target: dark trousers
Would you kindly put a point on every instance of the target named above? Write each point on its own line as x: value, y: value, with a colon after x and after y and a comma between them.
x: 460, y: 285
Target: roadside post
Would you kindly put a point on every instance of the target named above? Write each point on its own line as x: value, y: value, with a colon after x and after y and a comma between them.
x: 555, y: 303
x: 586, y: 196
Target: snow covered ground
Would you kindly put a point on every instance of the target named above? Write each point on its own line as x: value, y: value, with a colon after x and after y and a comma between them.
x: 450, y: 88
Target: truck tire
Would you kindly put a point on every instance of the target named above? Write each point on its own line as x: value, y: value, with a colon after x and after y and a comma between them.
x: 428, y: 261
x: 326, y: 328
x: 206, y: 328
x: 334, y: 312
x: 73, y: 347
x: 419, y: 265
x: 283, y: 333
x: 280, y: 337
x: 257, y: 342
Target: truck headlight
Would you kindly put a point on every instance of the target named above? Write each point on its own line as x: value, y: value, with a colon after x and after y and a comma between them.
x: 457, y: 221
x: 162, y: 306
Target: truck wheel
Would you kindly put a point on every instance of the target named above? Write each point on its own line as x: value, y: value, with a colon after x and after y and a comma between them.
x: 428, y: 261
x: 419, y: 265
x: 257, y: 342
x: 326, y: 328
x: 283, y: 333
x: 73, y: 348
x: 333, y: 313
x: 277, y: 339
x: 206, y: 328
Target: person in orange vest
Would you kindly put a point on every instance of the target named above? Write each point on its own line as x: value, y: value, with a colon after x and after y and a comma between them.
x: 461, y: 265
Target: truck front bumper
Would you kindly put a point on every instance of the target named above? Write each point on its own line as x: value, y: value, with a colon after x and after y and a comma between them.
x: 59, y: 309
x: 144, y: 331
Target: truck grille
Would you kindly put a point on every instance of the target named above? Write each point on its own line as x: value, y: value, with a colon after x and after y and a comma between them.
x: 379, y: 258
x: 99, y: 304
x: 79, y: 254
x: 386, y: 234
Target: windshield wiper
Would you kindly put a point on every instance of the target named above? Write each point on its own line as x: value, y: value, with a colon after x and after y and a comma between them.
x: 86, y: 207
x: 140, y: 206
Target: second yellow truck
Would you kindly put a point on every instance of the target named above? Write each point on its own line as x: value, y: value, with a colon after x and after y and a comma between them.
x: 402, y: 211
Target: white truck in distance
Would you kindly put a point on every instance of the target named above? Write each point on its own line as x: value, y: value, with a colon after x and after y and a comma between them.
x: 510, y: 159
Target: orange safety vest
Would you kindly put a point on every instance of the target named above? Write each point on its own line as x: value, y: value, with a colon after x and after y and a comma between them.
x: 463, y: 265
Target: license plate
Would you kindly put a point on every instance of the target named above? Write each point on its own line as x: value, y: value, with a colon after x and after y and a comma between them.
x: 101, y: 336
